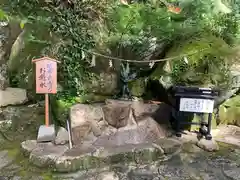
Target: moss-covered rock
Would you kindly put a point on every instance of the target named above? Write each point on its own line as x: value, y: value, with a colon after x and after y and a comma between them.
x: 137, y: 87
x: 91, y: 98
x: 104, y: 84
x: 229, y: 111
x: 29, y: 44
x: 204, y: 63
x: 230, y: 116
x: 60, y: 110
x: 234, y: 101
x: 60, y: 107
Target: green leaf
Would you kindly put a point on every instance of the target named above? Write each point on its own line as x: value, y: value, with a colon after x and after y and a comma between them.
x: 3, y: 15
x: 22, y: 24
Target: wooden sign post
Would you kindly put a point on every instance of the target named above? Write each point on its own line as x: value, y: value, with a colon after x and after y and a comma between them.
x: 46, y: 80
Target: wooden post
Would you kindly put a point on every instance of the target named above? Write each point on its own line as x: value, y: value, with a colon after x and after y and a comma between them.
x: 46, y: 110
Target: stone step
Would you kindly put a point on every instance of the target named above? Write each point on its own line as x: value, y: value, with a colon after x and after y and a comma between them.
x: 81, y: 157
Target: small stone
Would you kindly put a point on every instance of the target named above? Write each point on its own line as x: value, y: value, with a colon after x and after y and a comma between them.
x: 169, y: 146
x: 108, y: 176
x: 4, y: 159
x: 233, y: 174
x: 62, y: 137
x: 190, y: 148
x: 28, y: 146
x: 3, y: 178
x: 12, y: 169
x: 16, y: 178
x: 6, y: 124
x: 46, y: 133
x: 45, y: 154
x: 140, y: 174
x: 186, y: 157
x: 208, y: 145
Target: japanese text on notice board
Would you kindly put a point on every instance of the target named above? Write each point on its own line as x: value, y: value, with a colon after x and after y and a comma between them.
x: 46, y: 77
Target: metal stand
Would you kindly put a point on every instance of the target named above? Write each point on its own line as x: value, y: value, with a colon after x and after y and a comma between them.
x: 202, y: 130
x: 196, y: 93
x: 208, y: 135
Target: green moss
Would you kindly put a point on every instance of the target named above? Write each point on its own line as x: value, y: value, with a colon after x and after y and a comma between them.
x: 229, y: 111
x: 60, y: 110
x: 232, y: 102
x: 225, y: 150
x: 60, y: 105
x: 159, y: 71
x: 91, y: 98
x: 233, y: 116
x: 47, y: 176
x: 13, y: 152
x: 206, y: 64
x: 27, y: 170
x: 137, y: 87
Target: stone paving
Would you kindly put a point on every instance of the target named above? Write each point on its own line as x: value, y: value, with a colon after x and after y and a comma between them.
x: 198, y: 165
x: 192, y: 163
x: 81, y: 157
x: 174, y: 159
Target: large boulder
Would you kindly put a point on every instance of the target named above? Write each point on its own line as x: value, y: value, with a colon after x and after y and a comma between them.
x: 195, y: 69
x: 84, y: 120
x: 24, y: 121
x: 9, y: 33
x: 81, y: 114
x: 12, y: 96
x: 104, y: 84
x: 229, y: 111
x: 234, y: 84
x: 119, y: 122
x: 21, y: 53
x: 4, y: 31
x: 147, y: 130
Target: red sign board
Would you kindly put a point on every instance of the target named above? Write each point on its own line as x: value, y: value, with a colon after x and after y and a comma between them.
x: 46, y: 75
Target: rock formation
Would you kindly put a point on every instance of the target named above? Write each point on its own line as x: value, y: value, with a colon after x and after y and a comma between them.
x: 120, y: 122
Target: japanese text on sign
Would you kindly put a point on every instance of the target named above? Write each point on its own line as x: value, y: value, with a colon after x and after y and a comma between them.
x: 196, y: 105
x: 46, y: 76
